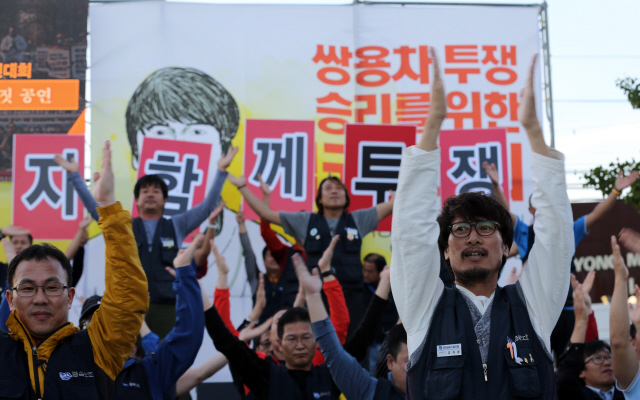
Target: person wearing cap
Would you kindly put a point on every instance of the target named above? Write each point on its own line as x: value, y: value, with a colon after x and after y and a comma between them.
x: 43, y: 354
x: 155, y: 375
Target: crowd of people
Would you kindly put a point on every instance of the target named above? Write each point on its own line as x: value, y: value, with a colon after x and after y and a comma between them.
x: 324, y: 323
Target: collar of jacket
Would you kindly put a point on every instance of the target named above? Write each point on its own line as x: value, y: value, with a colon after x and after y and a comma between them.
x: 43, y: 350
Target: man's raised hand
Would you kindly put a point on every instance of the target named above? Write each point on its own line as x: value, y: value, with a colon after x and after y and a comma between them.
x: 630, y: 239
x: 9, y: 250
x: 221, y: 263
x: 184, y: 257
x: 325, y: 261
x: 251, y: 332
x: 492, y: 171
x: 311, y: 283
x: 581, y: 297
x: 619, y: 267
x: 225, y: 160
x: 266, y: 190
x: 216, y: 212
x: 69, y: 166
x: 623, y: 182
x: 528, y: 117
x: 12, y: 230
x: 103, y: 191
x: 237, y: 181
x: 437, y: 110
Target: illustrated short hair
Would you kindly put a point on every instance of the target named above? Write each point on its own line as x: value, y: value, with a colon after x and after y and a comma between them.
x: 291, y: 316
x: 151, y: 180
x: 39, y: 252
x: 473, y: 206
x: 184, y: 95
x: 378, y: 260
x: 319, y: 193
x: 395, y: 338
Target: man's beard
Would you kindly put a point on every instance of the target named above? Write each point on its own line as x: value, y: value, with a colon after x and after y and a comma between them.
x: 472, y: 276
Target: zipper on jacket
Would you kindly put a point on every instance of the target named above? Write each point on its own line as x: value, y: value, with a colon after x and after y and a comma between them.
x: 34, y: 354
x: 484, y: 367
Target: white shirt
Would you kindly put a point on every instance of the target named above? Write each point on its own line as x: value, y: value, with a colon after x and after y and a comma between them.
x: 415, y: 263
x: 633, y: 391
x: 608, y: 395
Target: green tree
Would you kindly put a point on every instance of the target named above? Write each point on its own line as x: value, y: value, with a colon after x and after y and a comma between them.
x: 631, y: 89
x: 603, y: 178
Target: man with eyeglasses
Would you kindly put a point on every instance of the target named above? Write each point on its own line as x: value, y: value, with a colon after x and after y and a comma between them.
x: 584, y: 369
x: 477, y: 340
x: 43, y: 354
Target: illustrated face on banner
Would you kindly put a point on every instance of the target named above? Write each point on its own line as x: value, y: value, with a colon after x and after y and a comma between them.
x: 464, y: 152
x: 42, y: 193
x: 182, y: 104
x: 281, y: 152
x: 372, y: 163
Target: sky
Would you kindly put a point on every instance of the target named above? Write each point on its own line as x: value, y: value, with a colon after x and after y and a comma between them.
x: 591, y: 45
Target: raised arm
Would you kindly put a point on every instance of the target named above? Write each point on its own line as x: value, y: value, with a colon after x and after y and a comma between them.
x: 260, y: 208
x: 116, y: 323
x: 191, y: 219
x: 80, y: 239
x: 178, y: 350
x: 623, y: 356
x: 581, y: 306
x: 494, y: 175
x: 250, y: 264
x: 200, y: 256
x: 73, y: 177
x: 415, y: 263
x: 545, y: 281
x: 630, y: 239
x: 383, y: 210
x: 352, y: 380
x: 622, y: 182
x: 195, y: 376
x: 333, y: 290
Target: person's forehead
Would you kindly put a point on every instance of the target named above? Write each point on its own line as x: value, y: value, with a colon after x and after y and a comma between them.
x: 297, y: 328
x: 19, y: 238
x: 38, y: 271
x: 369, y: 265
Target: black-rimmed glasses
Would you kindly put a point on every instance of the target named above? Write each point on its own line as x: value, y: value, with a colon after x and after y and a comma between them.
x: 483, y: 228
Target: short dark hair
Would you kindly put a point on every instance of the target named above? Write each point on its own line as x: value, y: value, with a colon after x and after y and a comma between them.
x: 633, y: 331
x: 264, y: 252
x: 184, y: 95
x: 594, y: 346
x: 291, y: 316
x: 319, y: 193
x: 395, y: 338
x: 473, y: 206
x: 151, y: 180
x: 28, y: 237
x: 378, y: 260
x: 39, y: 252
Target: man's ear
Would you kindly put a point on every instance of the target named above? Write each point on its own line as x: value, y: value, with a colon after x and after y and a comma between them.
x: 390, y: 362
x: 72, y: 293
x: 446, y: 253
x: 581, y: 375
x: 10, y: 299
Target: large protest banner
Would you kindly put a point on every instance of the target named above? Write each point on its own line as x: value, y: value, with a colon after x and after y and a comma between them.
x: 370, y: 65
x: 42, y: 198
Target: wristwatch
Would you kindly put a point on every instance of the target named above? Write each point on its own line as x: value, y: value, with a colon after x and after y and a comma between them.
x: 332, y: 271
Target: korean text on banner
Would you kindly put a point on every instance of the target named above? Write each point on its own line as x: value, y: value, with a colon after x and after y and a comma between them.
x: 183, y: 166
x: 372, y: 163
x: 42, y: 193
x: 464, y: 151
x: 282, y: 152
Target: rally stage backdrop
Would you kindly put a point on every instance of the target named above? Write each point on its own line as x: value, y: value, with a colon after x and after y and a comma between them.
x: 284, y: 83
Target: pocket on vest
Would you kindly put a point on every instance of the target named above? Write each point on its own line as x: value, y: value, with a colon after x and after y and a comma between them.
x: 444, y: 377
x: 525, y: 382
x: 168, y: 255
x: 314, y: 246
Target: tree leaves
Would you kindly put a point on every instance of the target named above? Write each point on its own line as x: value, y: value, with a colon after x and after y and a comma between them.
x: 603, y: 179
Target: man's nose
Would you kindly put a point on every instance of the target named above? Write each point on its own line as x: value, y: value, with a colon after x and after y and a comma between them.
x: 473, y: 236
x: 40, y: 297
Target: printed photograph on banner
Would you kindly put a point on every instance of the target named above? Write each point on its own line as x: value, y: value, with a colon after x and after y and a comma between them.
x: 463, y: 153
x: 42, y: 192
x: 372, y: 163
x: 282, y: 153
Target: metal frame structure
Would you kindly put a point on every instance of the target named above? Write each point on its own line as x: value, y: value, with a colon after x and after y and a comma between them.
x: 544, y: 35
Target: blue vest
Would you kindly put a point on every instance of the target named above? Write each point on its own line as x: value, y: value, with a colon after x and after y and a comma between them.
x: 319, y: 384
x: 160, y: 256
x: 462, y: 376
x: 71, y: 372
x: 385, y: 390
x: 132, y: 382
x: 346, y: 256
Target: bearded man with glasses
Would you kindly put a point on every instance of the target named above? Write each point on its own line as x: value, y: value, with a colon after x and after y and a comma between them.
x: 477, y: 340
x: 43, y: 355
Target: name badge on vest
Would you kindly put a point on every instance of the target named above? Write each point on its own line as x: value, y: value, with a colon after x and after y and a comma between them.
x: 352, y: 233
x: 168, y: 242
x: 449, y: 350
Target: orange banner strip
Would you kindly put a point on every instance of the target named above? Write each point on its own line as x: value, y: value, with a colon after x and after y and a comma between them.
x: 39, y: 94
x: 517, y: 193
